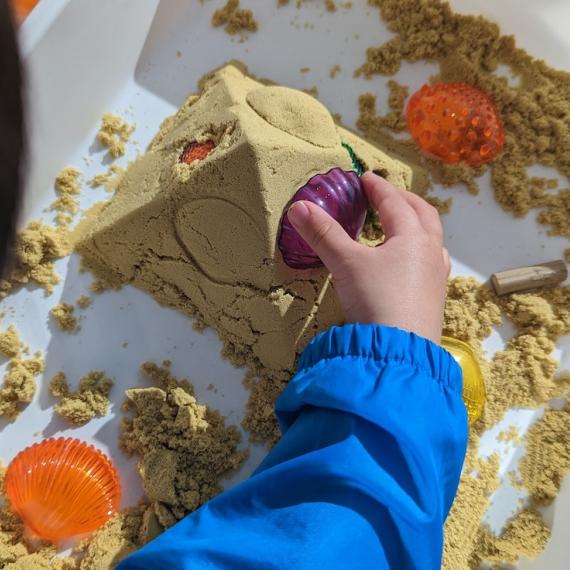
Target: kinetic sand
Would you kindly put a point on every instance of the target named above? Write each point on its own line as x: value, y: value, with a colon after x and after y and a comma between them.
x: 64, y: 316
x: 185, y: 449
x: 114, y: 133
x: 90, y: 400
x: 201, y: 237
x: 234, y: 19
x: 19, y: 383
x: 67, y: 188
x: 36, y: 249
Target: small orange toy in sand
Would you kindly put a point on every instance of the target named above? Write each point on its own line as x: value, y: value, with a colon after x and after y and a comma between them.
x: 455, y: 122
x: 197, y: 151
x: 62, y: 488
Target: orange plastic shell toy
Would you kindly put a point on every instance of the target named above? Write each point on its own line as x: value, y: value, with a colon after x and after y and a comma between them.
x: 455, y: 122
x: 62, y: 487
x: 196, y: 151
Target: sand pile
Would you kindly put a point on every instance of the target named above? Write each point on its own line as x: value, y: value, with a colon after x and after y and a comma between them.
x: 201, y: 237
x: 19, y: 383
x: 185, y: 448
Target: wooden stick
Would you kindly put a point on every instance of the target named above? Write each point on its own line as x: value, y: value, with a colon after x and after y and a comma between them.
x: 529, y: 278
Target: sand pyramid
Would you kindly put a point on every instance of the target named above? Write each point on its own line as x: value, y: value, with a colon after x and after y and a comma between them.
x: 202, y: 236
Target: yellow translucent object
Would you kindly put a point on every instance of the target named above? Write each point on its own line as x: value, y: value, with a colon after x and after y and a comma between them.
x: 473, y: 384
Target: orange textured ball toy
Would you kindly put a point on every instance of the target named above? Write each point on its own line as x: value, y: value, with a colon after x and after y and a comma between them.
x: 62, y: 488
x: 455, y: 122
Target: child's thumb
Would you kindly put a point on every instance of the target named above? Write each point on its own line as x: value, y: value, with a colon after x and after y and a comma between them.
x: 323, y: 233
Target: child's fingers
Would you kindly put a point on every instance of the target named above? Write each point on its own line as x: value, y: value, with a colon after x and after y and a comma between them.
x: 427, y: 214
x: 395, y: 214
x: 324, y: 234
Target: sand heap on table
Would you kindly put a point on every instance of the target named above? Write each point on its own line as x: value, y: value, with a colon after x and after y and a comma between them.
x: 201, y: 237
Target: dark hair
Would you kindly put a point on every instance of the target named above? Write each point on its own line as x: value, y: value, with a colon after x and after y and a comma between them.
x: 11, y: 130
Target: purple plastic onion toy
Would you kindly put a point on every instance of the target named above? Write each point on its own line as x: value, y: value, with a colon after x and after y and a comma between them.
x: 341, y: 195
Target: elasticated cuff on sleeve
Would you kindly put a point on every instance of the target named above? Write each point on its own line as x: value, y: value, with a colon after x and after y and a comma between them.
x: 384, y: 344
x: 344, y: 366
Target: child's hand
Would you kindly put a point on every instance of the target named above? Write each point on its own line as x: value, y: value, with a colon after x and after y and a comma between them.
x: 400, y: 283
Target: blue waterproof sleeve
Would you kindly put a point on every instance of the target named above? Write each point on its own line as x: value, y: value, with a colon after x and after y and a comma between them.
x: 374, y: 437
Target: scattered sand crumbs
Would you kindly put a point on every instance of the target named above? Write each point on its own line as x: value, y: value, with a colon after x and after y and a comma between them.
x: 548, y: 456
x: 334, y: 71
x: 395, y: 119
x: 330, y: 5
x: 511, y: 434
x: 312, y: 91
x: 10, y: 343
x: 525, y: 535
x: 185, y: 449
x: 89, y: 401
x: 110, y: 179
x: 35, y: 251
x: 19, y: 385
x: 114, y: 133
x: 64, y: 315
x: 84, y: 302
x: 67, y: 187
x: 234, y: 19
x: 536, y: 113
